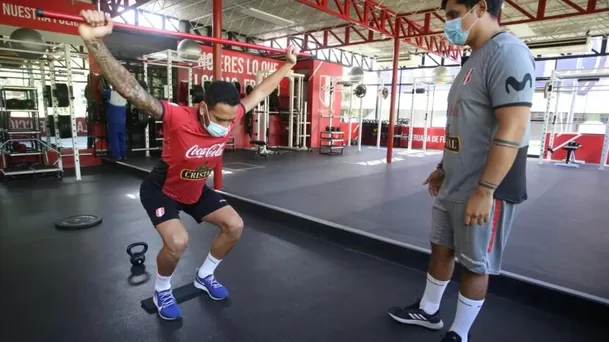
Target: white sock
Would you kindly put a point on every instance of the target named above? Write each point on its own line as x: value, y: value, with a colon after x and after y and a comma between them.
x: 162, y: 283
x: 467, y: 311
x: 209, y: 266
x: 434, y: 289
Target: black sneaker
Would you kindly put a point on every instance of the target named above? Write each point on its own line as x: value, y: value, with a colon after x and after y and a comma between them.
x: 415, y: 316
x: 452, y: 336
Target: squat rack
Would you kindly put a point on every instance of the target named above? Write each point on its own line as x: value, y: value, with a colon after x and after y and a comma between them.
x: 55, y: 53
x: 170, y: 59
x: 297, y: 109
x: 552, y: 88
x: 428, y: 86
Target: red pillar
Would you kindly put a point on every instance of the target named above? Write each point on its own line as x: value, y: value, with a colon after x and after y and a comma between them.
x: 217, y: 65
x: 394, y: 92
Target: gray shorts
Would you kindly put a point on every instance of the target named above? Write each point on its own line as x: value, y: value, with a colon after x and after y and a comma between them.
x: 478, y: 248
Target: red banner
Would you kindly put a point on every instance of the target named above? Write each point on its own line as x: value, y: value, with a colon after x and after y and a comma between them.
x: 236, y: 67
x: 22, y: 13
x: 590, y: 151
x: 25, y: 123
x: 436, y: 137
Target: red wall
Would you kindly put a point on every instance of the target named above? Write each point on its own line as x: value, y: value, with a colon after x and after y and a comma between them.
x: 23, y: 13
x: 590, y: 152
x: 241, y: 67
x: 316, y: 70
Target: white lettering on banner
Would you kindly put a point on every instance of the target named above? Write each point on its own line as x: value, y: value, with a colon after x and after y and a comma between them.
x: 430, y: 138
x: 25, y: 12
x: 241, y: 65
x: 205, y: 152
x: 24, y: 123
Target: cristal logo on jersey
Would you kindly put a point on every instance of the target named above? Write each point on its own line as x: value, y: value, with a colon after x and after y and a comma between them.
x: 468, y: 77
x: 201, y: 172
x: 205, y: 152
x: 452, y: 143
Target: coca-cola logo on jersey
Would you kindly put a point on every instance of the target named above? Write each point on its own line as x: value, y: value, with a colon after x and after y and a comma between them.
x: 205, y: 152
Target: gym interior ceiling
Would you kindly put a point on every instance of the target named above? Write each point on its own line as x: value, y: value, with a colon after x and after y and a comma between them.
x: 324, y: 23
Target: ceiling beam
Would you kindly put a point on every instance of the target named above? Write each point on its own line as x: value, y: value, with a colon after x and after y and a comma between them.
x: 373, y: 17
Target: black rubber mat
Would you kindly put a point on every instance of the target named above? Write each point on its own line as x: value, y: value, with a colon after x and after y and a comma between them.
x: 181, y: 294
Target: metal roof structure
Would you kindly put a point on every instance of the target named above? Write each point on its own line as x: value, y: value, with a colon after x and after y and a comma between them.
x: 367, y: 28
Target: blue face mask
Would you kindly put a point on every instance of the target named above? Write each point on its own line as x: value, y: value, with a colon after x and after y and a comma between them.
x: 214, y: 129
x: 454, y: 31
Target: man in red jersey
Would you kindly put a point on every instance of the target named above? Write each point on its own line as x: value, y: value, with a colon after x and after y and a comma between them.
x: 195, y: 138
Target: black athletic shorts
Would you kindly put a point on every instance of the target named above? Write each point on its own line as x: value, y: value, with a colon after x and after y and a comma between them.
x: 161, y: 208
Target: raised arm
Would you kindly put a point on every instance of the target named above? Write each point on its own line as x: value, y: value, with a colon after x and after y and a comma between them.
x: 270, y: 83
x: 99, y: 25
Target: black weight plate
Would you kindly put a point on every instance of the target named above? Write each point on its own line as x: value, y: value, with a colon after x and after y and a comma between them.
x: 78, y: 222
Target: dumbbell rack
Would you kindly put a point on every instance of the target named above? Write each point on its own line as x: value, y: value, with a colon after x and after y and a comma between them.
x: 331, y: 140
x: 12, y: 139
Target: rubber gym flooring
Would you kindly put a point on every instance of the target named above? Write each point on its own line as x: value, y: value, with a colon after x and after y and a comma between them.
x: 284, y: 285
x: 559, y: 237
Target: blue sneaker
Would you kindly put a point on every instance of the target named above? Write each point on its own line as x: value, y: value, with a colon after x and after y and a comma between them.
x: 210, y: 285
x: 166, y: 304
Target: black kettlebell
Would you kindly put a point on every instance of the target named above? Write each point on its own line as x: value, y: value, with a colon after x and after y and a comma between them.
x: 137, y: 258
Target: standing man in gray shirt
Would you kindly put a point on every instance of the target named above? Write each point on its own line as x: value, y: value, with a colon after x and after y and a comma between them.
x: 482, y: 176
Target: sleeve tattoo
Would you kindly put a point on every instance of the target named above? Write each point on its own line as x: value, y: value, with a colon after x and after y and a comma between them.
x: 123, y: 81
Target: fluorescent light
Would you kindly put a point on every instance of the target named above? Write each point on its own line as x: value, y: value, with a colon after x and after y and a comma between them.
x: 279, y: 21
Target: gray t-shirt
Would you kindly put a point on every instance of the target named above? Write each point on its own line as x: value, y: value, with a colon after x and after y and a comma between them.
x: 500, y: 74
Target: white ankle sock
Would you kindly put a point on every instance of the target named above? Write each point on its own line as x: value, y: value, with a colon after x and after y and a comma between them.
x: 162, y: 283
x: 434, y: 289
x: 467, y: 311
x: 209, y: 266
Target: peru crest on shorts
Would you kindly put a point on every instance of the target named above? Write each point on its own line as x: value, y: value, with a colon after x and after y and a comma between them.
x: 160, y: 212
x: 468, y: 77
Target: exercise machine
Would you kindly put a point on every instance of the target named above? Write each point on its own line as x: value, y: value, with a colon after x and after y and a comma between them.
x: 170, y: 59
x: 553, y: 119
x: 425, y: 86
x: 294, y: 117
x: 23, y: 149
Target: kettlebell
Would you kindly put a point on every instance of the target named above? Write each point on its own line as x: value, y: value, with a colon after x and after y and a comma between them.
x: 137, y: 258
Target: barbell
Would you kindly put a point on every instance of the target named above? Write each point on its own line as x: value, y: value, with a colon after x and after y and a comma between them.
x: 40, y: 13
x: 360, y: 91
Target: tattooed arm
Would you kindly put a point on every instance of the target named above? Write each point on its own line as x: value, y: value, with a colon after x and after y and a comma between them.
x: 99, y: 25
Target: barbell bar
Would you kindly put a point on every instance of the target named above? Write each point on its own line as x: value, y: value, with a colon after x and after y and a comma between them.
x: 67, y: 17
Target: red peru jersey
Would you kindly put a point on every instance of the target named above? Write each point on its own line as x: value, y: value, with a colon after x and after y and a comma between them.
x: 190, y: 153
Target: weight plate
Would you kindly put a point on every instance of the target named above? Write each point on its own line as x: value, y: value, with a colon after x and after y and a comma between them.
x: 78, y: 222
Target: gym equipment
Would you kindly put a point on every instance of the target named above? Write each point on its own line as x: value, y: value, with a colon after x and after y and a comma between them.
x: 137, y: 258
x: 425, y: 86
x: 63, y: 95
x: 565, y: 125
x: 295, y: 114
x: 170, y: 59
x: 570, y: 147
x: 384, y: 93
x: 62, y: 16
x: 189, y: 49
x: 78, y: 222
x: 359, y: 91
x: 29, y: 43
x: 198, y: 93
x: 249, y: 89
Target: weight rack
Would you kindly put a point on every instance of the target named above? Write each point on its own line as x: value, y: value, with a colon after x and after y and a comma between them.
x: 170, y: 59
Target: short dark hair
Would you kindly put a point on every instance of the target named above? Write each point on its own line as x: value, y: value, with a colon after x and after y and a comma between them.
x: 221, y: 92
x: 493, y: 6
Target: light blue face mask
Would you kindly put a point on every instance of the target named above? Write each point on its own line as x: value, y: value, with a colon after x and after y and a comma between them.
x: 454, y: 31
x: 214, y: 129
